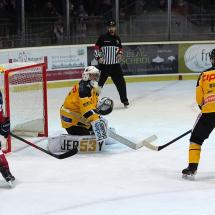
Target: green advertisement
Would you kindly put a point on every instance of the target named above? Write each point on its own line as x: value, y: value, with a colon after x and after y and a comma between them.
x: 194, y: 58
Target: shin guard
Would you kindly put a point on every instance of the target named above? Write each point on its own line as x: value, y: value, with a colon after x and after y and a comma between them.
x: 194, y: 153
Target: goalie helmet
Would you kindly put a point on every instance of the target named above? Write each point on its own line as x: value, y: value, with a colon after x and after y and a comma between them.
x: 105, y: 106
x: 92, y: 74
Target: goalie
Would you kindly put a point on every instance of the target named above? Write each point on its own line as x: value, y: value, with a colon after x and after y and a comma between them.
x: 81, y: 110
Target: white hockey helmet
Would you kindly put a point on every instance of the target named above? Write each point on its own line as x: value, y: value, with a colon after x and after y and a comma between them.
x: 91, y: 73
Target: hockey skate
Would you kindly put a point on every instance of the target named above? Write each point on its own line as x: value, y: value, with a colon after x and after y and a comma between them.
x: 190, y: 172
x: 126, y: 104
x: 7, y: 175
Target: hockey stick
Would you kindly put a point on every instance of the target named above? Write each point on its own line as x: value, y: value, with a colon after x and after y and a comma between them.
x: 60, y: 156
x: 129, y: 143
x: 158, y: 148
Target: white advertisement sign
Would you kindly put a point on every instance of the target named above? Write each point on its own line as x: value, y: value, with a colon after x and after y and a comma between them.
x: 196, y: 57
x: 26, y: 55
x: 67, y: 58
x: 59, y: 58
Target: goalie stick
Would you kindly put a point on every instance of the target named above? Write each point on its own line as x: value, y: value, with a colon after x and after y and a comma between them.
x: 60, y: 156
x: 129, y: 143
x: 158, y: 148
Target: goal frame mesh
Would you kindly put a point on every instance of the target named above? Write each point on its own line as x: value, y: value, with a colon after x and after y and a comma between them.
x: 7, y: 99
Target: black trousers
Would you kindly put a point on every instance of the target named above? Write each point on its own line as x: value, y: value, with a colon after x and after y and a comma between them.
x: 116, y: 74
x: 203, y: 127
x: 79, y: 130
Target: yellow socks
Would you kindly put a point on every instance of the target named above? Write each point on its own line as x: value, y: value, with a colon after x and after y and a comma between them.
x: 194, y: 153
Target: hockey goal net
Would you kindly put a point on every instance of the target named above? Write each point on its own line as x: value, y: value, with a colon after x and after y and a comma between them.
x: 24, y: 91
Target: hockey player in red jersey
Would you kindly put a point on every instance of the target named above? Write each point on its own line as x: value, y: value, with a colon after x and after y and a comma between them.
x: 4, y: 131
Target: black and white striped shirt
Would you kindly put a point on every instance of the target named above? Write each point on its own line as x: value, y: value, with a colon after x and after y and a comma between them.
x: 108, y: 47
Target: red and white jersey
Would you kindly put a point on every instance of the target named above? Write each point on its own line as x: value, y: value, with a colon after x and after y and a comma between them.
x: 1, y: 108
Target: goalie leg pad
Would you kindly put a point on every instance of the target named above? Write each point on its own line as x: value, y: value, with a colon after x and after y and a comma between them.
x: 67, y: 142
x: 100, y: 129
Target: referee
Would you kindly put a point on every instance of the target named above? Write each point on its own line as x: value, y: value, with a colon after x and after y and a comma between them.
x: 108, y: 52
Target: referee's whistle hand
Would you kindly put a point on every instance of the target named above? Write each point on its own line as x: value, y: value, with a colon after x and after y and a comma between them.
x: 119, y: 57
x: 101, y: 60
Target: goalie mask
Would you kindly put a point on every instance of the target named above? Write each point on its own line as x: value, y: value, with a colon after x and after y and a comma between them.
x: 91, y: 73
x: 105, y: 106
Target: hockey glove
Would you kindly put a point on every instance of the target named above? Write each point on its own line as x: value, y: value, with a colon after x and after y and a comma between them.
x: 100, y: 60
x: 5, y: 127
x: 104, y: 106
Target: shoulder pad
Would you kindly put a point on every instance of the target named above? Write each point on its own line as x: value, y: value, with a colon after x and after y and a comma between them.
x: 84, y: 89
x: 197, y: 83
x: 210, y: 69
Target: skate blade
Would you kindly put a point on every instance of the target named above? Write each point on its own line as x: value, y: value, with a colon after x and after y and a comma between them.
x: 11, y: 184
x: 189, y: 177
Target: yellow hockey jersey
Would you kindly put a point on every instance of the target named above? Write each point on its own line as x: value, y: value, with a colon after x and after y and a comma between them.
x: 79, y: 106
x: 205, y: 91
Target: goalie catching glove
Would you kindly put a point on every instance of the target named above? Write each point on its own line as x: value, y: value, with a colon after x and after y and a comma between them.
x: 5, y: 127
x: 104, y: 106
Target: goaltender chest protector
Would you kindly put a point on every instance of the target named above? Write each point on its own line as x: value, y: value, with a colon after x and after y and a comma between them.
x: 81, y: 97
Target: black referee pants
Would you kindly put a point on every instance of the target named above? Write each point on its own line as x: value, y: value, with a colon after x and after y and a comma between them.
x: 203, y: 127
x: 116, y: 74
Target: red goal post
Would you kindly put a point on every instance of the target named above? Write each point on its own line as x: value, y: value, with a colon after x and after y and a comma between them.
x: 24, y: 92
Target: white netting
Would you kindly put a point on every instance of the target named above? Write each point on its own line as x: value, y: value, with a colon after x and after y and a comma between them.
x: 26, y: 98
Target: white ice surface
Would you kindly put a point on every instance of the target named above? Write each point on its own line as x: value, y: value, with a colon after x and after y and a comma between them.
x: 119, y: 181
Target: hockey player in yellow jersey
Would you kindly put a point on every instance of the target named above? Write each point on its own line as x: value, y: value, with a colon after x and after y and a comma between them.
x: 205, y: 123
x: 80, y: 112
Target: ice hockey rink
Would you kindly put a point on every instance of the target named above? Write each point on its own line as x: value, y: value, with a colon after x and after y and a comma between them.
x: 119, y: 181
